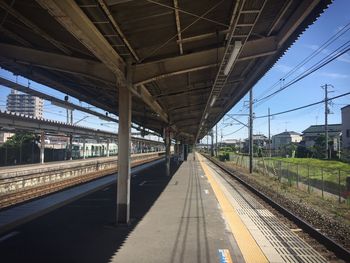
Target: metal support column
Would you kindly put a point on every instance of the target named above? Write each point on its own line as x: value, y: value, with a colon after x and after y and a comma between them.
x: 42, y: 147
x: 70, y: 147
x: 84, y: 150
x: 212, y: 144
x: 167, y: 152
x: 107, y: 148
x: 251, y: 130
x: 216, y: 140
x: 124, y: 136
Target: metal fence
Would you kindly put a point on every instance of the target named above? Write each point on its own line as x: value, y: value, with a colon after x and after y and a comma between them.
x: 332, y: 184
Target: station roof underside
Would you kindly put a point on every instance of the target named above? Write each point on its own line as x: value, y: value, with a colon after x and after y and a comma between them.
x: 177, y: 50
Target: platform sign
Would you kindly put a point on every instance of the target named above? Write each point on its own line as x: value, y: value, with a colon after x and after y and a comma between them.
x: 224, y: 255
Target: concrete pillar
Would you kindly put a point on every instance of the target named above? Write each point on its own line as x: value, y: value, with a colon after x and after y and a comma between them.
x: 167, y: 152
x: 71, y: 147
x: 124, y: 134
x: 84, y: 151
x: 42, y: 147
x: 107, y: 148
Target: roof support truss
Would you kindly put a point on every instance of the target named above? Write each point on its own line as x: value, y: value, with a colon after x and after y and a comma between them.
x: 71, y: 17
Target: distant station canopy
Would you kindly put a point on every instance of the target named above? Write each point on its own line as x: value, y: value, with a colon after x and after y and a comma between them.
x: 190, y: 61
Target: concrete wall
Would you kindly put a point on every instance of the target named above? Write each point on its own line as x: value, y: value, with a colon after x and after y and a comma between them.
x: 16, y: 179
x: 345, y: 119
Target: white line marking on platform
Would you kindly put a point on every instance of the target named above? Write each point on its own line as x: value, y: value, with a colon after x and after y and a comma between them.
x: 134, y: 175
x: 3, y: 238
x: 206, y: 191
x: 141, y: 184
x: 107, y: 188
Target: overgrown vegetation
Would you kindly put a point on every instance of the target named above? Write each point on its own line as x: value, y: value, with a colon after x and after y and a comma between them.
x: 21, y: 148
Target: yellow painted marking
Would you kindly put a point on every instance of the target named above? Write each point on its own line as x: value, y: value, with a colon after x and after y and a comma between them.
x: 250, y: 250
x: 228, y: 256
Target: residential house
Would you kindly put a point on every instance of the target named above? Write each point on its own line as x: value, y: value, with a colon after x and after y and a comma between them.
x: 285, y: 138
x: 314, y: 131
x: 345, y: 127
x: 4, y: 136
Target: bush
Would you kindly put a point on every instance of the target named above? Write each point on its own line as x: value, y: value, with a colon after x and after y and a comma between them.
x: 225, y: 156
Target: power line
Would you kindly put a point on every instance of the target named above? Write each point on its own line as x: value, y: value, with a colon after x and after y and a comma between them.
x: 235, y: 131
x: 312, y: 69
x: 313, y: 54
x: 303, y: 107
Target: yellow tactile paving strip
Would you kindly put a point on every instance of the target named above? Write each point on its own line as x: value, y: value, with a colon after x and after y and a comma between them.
x: 249, y: 248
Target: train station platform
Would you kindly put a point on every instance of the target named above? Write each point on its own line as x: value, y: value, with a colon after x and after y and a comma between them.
x: 195, y: 215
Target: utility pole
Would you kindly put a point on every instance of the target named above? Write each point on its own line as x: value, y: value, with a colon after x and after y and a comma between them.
x: 268, y: 113
x: 251, y: 130
x: 326, y: 112
x: 71, y: 136
x: 221, y: 139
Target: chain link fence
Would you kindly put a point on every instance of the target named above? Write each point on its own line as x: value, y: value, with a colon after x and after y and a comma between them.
x: 332, y: 184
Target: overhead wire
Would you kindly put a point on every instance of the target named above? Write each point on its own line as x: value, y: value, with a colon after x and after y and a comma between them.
x: 328, y: 42
x: 303, y: 107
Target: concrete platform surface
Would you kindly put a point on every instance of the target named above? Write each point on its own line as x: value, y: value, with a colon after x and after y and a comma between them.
x: 195, y: 215
x: 185, y: 224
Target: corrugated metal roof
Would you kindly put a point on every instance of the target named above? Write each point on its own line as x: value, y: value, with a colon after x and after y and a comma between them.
x: 52, y: 46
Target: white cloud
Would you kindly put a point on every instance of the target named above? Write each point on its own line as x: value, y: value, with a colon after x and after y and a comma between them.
x: 283, y: 68
x: 343, y: 58
x: 333, y: 75
x: 313, y: 47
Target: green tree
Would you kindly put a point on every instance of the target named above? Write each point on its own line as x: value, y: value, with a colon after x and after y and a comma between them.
x: 20, y: 138
x: 319, y: 147
x: 20, y: 148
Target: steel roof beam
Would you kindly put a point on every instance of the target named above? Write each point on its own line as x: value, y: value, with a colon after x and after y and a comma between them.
x: 304, y: 9
x: 15, y: 37
x: 150, y: 101
x: 74, y: 20
x: 79, y: 25
x: 21, y: 88
x: 148, y: 72
x: 258, y: 48
x: 117, y: 28
x: 116, y: 2
x: 202, y: 37
x: 174, y: 73
x: 178, y: 25
x: 177, y: 9
x: 34, y: 27
x: 63, y: 63
x: 190, y: 89
x: 41, y: 76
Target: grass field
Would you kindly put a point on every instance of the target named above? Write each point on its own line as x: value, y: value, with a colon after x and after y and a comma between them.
x: 303, y: 167
x: 318, y: 163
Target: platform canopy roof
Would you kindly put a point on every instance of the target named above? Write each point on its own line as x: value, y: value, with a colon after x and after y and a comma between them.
x: 191, y: 60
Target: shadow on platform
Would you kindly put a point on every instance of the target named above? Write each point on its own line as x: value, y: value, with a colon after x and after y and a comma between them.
x: 84, y: 230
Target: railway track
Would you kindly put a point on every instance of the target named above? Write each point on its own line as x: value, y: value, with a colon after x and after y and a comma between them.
x: 329, y: 243
x: 27, y: 194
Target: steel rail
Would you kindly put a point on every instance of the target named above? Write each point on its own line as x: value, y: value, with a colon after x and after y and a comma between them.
x: 329, y: 243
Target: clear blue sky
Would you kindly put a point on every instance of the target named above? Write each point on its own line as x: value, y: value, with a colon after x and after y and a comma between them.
x: 304, y: 92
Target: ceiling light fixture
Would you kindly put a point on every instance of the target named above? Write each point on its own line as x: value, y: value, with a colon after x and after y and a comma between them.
x: 233, y: 56
x: 213, y: 101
